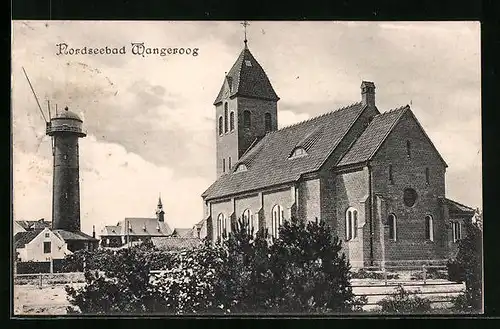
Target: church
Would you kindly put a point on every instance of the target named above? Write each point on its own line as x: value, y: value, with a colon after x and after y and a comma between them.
x: 374, y: 176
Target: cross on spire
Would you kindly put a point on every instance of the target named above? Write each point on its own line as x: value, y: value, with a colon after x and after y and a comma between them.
x: 245, y: 24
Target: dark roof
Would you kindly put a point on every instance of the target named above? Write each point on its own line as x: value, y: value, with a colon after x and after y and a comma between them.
x: 34, y: 224
x: 268, y: 162
x: 183, y: 232
x: 458, y: 208
x: 23, y: 238
x: 245, y: 80
x: 71, y: 236
x: 365, y: 147
x: 175, y: 243
x: 111, y: 230
x: 144, y: 227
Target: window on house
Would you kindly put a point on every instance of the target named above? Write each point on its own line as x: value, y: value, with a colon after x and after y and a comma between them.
x: 429, y: 228
x: 351, y: 224
x: 391, y: 181
x: 248, y: 220
x: 298, y: 152
x: 391, y: 221
x: 241, y: 167
x: 268, y: 121
x: 408, y: 149
x: 226, y: 126
x: 247, y: 120
x: 47, y: 235
x: 277, y: 215
x: 223, y: 165
x: 427, y: 179
x: 221, y: 125
x: 457, y: 231
x: 221, y: 223
x: 231, y: 121
x: 229, y: 163
x: 46, y: 247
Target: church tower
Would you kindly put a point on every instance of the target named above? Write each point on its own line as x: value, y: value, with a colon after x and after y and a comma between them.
x: 245, y: 110
x: 160, y: 214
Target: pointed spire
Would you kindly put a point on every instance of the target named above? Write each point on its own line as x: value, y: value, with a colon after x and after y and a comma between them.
x: 245, y: 24
x: 160, y: 205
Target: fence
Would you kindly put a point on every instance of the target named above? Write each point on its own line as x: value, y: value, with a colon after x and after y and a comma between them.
x: 41, y: 279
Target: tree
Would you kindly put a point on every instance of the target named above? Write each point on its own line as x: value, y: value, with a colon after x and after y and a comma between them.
x: 470, y: 262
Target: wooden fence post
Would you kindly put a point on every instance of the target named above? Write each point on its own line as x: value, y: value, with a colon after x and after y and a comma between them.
x: 41, y: 274
x: 51, y: 265
x: 424, y: 271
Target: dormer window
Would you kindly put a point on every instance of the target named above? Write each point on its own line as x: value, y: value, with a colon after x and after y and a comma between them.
x: 298, y: 152
x: 158, y: 227
x: 248, y: 63
x: 241, y: 167
x: 144, y: 227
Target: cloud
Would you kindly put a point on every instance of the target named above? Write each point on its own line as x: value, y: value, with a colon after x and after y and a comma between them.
x: 286, y: 118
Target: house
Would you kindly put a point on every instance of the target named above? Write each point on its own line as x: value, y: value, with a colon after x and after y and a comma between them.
x: 174, y: 243
x: 184, y: 233
x: 39, y: 245
x: 136, y: 229
x: 374, y: 176
x: 17, y: 227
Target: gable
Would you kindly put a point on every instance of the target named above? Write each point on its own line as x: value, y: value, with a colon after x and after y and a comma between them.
x: 397, y: 126
x: 268, y: 162
x: 23, y: 238
x: 407, y: 128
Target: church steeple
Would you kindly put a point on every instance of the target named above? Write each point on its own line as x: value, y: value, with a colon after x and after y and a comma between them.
x: 246, y: 109
x: 160, y: 214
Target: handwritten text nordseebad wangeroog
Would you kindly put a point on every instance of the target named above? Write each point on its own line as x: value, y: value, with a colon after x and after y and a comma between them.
x: 135, y: 48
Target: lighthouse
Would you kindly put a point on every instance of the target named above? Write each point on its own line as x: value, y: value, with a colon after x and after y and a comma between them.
x: 65, y: 129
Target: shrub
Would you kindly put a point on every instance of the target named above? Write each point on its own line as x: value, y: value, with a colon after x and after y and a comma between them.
x: 431, y: 273
x: 123, y: 288
x: 405, y: 302
x: 364, y: 274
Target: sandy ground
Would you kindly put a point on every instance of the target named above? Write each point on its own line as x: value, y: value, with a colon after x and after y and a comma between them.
x: 48, y: 300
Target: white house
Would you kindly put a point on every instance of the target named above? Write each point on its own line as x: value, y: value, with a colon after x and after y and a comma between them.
x: 39, y: 245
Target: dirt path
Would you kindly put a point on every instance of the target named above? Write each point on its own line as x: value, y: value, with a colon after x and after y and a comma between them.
x: 48, y: 300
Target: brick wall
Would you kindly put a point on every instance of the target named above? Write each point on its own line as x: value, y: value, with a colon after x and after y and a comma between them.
x: 351, y: 190
x: 409, y: 172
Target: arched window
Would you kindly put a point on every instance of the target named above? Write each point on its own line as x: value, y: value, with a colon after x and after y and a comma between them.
x: 223, y: 165
x: 391, y: 181
x: 456, y: 230
x: 221, y: 126
x: 267, y: 121
x: 248, y: 220
x: 429, y: 228
x: 391, y: 221
x: 226, y: 126
x: 427, y: 175
x: 221, y: 225
x: 247, y: 120
x: 229, y: 163
x: 351, y: 224
x: 408, y: 149
x: 276, y: 220
x: 231, y: 121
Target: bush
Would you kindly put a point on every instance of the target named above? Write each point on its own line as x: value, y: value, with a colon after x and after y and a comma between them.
x: 123, y: 288
x: 405, y: 302
x: 468, y: 267
x: 431, y: 273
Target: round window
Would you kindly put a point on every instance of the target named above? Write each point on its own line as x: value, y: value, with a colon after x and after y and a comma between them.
x: 409, y: 197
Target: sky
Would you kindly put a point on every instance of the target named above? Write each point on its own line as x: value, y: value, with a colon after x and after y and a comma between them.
x: 151, y: 121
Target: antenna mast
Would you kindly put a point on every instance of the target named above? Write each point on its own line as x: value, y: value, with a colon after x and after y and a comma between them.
x: 34, y: 94
x: 48, y: 106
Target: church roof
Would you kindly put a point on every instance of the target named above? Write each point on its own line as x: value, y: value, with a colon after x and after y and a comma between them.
x: 247, y: 78
x: 144, y: 227
x: 370, y: 141
x: 268, y: 162
x: 372, y: 138
x: 458, y: 208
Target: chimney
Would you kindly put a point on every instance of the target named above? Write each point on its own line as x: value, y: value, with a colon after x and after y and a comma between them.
x: 93, y: 231
x: 368, y: 93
